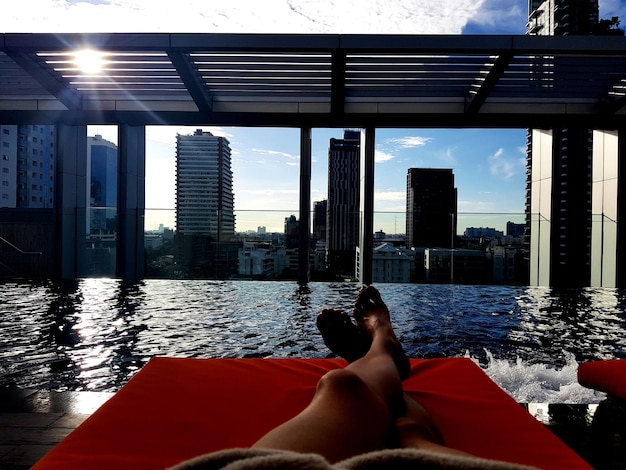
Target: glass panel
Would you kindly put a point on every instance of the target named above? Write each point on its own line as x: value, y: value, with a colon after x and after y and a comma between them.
x: 101, y: 212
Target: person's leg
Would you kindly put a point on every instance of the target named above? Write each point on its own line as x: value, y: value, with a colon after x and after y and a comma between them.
x: 351, y: 412
x: 416, y: 430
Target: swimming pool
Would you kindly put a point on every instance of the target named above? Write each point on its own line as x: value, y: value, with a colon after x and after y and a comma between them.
x: 94, y: 334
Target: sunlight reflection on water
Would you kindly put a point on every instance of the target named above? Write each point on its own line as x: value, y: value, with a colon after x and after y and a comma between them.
x: 94, y: 334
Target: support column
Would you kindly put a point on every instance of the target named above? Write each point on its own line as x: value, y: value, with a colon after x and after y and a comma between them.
x: 366, y: 232
x: 71, y: 200
x: 621, y: 209
x: 605, y: 215
x: 540, y: 207
x: 131, y: 202
x: 305, y: 206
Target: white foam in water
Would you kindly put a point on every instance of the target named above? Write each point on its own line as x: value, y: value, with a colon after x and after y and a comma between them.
x: 539, y: 383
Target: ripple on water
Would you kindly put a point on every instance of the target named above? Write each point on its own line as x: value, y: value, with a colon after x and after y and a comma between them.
x: 94, y: 334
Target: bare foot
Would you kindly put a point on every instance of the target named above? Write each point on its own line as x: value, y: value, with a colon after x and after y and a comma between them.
x: 372, y: 315
x: 342, y: 336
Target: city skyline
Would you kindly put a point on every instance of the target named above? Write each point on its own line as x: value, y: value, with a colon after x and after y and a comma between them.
x: 488, y: 164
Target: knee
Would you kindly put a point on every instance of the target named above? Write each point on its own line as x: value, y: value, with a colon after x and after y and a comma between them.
x: 343, y: 381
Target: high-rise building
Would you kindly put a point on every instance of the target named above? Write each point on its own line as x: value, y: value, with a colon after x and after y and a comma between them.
x: 204, y: 186
x: 205, y: 217
x: 102, y: 190
x: 27, y: 167
x: 342, y: 215
x: 431, y: 208
x: 101, y: 216
x: 319, y: 220
x: 292, y: 232
x: 559, y: 167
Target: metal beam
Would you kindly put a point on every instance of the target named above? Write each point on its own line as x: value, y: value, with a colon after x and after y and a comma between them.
x: 47, y: 80
x: 501, y: 63
x: 190, y: 77
x: 432, y: 120
x: 338, y: 83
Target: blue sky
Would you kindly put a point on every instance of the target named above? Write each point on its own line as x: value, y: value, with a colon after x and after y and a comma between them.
x: 488, y: 164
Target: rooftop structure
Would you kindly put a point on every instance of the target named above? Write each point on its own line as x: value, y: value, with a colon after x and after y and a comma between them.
x: 304, y: 81
x: 312, y: 80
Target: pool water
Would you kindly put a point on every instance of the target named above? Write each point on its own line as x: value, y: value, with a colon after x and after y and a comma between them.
x: 94, y: 334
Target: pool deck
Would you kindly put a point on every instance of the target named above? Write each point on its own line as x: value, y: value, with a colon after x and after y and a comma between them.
x: 32, y: 422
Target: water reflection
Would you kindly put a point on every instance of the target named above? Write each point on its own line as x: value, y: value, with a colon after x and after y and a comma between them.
x: 588, y: 323
x: 95, y: 334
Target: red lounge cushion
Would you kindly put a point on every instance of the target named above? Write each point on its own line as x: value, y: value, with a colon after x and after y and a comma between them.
x: 174, y: 409
x: 606, y: 376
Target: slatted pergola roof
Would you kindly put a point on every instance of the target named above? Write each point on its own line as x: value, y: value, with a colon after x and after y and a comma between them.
x: 314, y: 80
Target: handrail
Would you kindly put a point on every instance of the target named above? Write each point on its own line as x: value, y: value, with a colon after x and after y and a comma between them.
x: 8, y: 268
x: 7, y: 242
x: 36, y: 267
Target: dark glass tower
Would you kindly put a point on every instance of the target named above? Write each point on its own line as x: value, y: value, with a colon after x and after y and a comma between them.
x: 431, y: 208
x: 342, y: 225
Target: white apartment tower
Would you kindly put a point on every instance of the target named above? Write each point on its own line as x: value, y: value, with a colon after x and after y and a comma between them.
x: 27, y: 166
x: 204, y: 186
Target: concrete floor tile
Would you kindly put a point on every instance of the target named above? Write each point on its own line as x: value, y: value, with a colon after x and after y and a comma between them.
x: 29, y: 419
x: 27, y: 454
x: 70, y: 420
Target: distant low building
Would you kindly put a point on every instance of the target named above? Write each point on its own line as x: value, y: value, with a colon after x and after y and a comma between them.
x: 391, y: 264
x: 515, y: 230
x: 442, y: 265
x: 262, y: 260
x: 504, y: 260
x: 482, y: 232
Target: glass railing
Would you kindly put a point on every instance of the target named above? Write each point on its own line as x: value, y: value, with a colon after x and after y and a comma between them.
x: 265, y: 247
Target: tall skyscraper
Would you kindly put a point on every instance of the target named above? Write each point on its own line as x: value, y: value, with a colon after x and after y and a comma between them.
x: 205, y: 217
x: 319, y: 220
x: 204, y: 186
x: 559, y: 162
x: 27, y: 167
x: 431, y: 208
x: 101, y: 216
x: 342, y: 225
x: 102, y: 191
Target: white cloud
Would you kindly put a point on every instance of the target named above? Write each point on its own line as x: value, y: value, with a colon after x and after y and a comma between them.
x: 475, y: 206
x: 238, y: 16
x: 390, y: 196
x: 381, y: 157
x: 507, y: 14
x: 447, y: 157
x: 269, y: 192
x: 409, y: 141
x: 503, y: 166
x: 276, y: 153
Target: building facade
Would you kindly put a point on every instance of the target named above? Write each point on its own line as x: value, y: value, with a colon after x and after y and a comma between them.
x: 319, y: 220
x: 102, y: 185
x: 392, y: 264
x: 342, y: 215
x: 27, y: 166
x: 559, y: 168
x: 431, y: 208
x: 204, y: 186
x: 205, y: 219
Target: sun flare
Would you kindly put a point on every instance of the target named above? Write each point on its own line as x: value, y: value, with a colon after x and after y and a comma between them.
x: 89, y: 61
